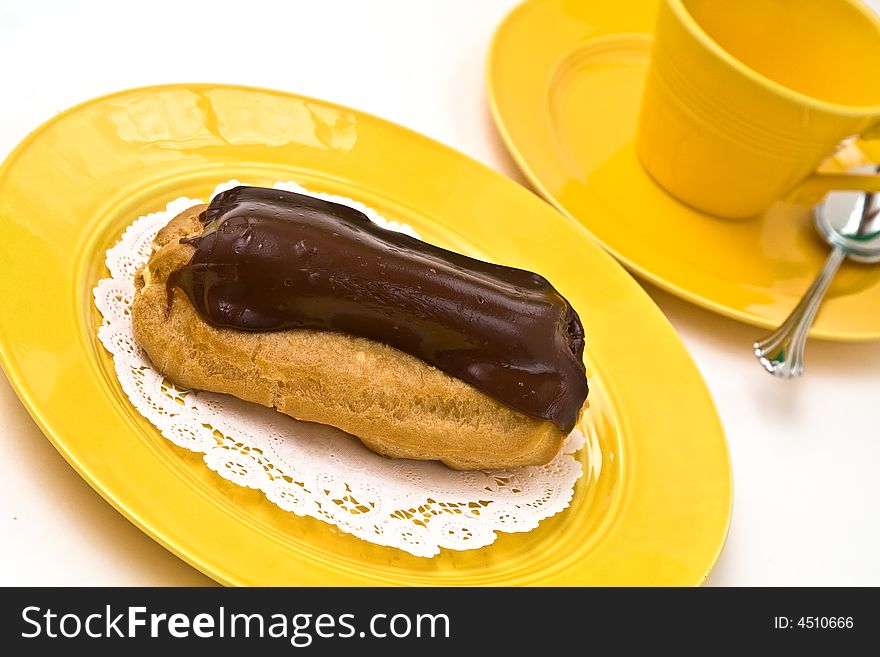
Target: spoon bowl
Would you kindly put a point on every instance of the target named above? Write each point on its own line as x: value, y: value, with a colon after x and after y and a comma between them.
x: 850, y: 223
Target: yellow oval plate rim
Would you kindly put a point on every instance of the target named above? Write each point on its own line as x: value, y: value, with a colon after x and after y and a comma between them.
x: 675, y: 447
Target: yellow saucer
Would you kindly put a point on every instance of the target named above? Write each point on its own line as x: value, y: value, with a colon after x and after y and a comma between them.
x: 565, y: 81
x: 654, y: 503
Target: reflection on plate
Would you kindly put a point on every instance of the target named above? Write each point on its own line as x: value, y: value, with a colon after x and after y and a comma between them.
x: 655, y: 513
x: 565, y: 79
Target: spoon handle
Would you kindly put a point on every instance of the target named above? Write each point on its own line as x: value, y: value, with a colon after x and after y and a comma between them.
x: 782, y: 352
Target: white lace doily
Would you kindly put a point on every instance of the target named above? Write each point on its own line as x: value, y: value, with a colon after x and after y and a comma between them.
x: 314, y: 470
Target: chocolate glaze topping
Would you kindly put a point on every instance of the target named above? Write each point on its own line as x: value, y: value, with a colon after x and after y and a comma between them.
x: 270, y: 260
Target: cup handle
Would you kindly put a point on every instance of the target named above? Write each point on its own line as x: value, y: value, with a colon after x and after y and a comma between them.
x: 814, y: 188
x: 871, y: 133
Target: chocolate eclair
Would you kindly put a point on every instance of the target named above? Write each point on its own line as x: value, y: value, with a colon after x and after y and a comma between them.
x: 309, y: 307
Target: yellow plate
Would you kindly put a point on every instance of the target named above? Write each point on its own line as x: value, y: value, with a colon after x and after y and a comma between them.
x: 565, y: 82
x: 654, y: 505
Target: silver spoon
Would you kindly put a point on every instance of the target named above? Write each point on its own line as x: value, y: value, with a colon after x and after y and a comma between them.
x: 850, y: 223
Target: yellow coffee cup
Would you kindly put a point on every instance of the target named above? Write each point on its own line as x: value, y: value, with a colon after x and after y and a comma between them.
x: 745, y: 98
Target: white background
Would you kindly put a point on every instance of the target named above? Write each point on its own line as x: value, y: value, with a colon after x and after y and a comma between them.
x: 806, y: 454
